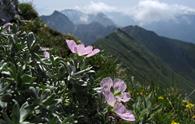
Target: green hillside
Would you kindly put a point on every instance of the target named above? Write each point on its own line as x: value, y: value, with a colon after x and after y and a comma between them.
x: 180, y: 56
x: 142, y: 63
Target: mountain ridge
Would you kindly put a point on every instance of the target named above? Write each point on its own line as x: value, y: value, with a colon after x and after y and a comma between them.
x: 56, y: 16
x: 78, y: 17
x: 173, y: 52
x: 88, y: 33
x: 141, y: 62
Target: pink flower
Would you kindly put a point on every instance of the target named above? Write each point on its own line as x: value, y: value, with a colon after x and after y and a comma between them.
x: 80, y: 49
x: 115, y: 95
x: 106, y: 84
x: 45, y: 52
x: 124, y: 97
x: 123, y: 113
x: 110, y: 98
x: 71, y: 45
x: 118, y: 87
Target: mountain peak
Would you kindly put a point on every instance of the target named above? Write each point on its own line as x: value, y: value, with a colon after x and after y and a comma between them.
x: 139, y: 30
x: 59, y: 22
x: 57, y: 13
x: 71, y: 10
x: 79, y: 17
x: 136, y: 28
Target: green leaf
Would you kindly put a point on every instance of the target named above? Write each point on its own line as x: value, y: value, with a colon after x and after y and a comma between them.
x: 31, y: 40
x: 15, y: 115
x: 24, y: 112
x: 27, y: 78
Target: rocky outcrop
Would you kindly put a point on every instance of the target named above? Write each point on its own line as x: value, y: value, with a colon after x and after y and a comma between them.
x: 8, y: 10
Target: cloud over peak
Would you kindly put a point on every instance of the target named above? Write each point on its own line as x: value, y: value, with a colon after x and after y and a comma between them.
x: 142, y: 12
x: 148, y: 11
x: 96, y: 7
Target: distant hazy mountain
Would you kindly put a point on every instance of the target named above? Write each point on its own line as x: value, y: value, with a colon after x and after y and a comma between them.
x: 78, y: 17
x: 120, y: 19
x: 102, y: 19
x: 183, y: 28
x: 59, y: 22
x: 152, y: 58
x: 88, y: 32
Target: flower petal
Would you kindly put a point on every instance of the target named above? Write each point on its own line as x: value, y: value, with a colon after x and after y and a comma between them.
x: 88, y: 49
x: 94, y: 52
x: 71, y: 45
x: 81, y: 50
x: 119, y: 85
x: 124, y: 97
x: 110, y: 98
x: 106, y: 84
x: 46, y: 55
x: 123, y: 113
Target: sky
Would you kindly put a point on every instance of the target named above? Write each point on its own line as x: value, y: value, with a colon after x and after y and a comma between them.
x: 143, y: 11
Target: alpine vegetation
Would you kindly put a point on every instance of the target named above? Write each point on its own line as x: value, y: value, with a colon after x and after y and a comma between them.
x: 50, y: 78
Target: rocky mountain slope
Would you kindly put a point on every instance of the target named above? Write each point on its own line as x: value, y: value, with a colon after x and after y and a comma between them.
x: 88, y: 32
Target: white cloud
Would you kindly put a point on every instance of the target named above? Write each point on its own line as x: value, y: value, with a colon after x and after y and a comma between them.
x: 96, y: 7
x: 148, y: 11
x: 143, y: 12
x: 84, y: 18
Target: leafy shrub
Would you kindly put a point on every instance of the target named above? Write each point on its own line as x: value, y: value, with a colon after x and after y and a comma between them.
x: 27, y: 12
x: 39, y: 90
x: 46, y: 36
